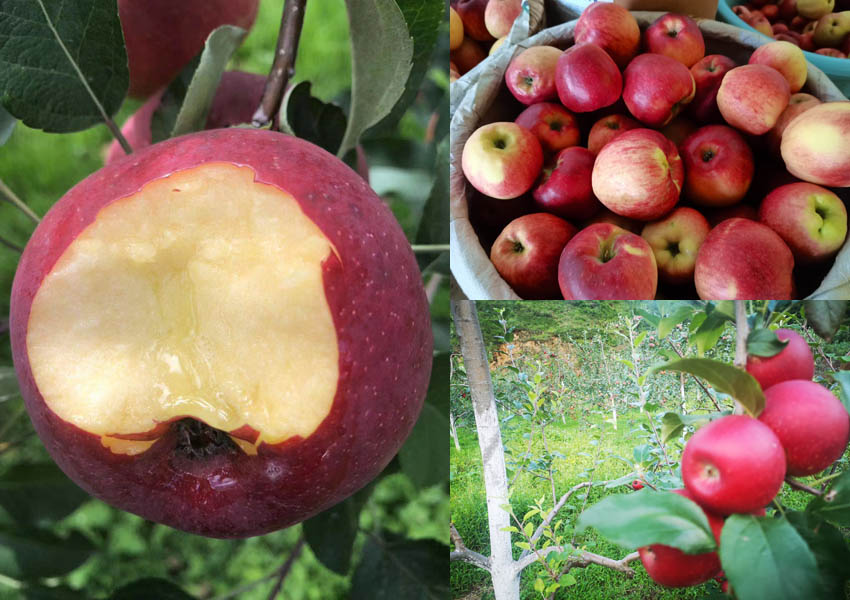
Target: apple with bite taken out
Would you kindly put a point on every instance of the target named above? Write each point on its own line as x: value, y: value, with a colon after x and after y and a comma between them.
x: 555, y: 127
x: 676, y: 36
x: 719, y: 166
x: 657, y: 88
x: 193, y: 341
x: 502, y: 160
x: 566, y: 189
x: 814, y: 145
x: 531, y: 74
x: 676, y: 240
x: 752, y: 97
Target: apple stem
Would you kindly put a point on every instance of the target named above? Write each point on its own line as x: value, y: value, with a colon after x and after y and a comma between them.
x: 798, y: 485
x: 283, y: 67
x: 9, y: 196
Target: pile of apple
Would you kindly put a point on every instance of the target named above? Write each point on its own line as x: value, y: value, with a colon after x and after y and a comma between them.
x: 737, y: 463
x: 638, y: 157
x: 476, y: 29
x: 810, y: 24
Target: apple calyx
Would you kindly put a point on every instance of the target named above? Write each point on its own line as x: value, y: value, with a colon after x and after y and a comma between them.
x: 707, y: 155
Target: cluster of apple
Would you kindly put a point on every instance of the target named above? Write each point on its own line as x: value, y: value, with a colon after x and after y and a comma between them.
x: 604, y: 220
x: 810, y: 24
x: 476, y: 29
x: 737, y: 463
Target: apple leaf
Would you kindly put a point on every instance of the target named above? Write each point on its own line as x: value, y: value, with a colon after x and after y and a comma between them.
x: 331, y: 533
x: 835, y: 505
x: 381, y: 56
x: 60, y: 61
x: 150, y: 587
x: 7, y: 125
x: 767, y: 558
x: 434, y: 225
x: 836, y: 284
x: 310, y: 119
x: 666, y: 324
x: 825, y: 316
x: 35, y: 553
x: 392, y: 568
x: 188, y: 98
x: 763, y: 342
x: 827, y: 544
x: 649, y: 517
x: 723, y: 377
x: 708, y: 331
x: 425, y: 462
x: 672, y: 423
x: 843, y: 379
x: 39, y: 494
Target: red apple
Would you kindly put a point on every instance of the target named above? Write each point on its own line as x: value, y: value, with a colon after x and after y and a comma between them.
x: 612, y: 28
x: 733, y: 465
x: 502, y: 160
x: 587, y: 78
x: 637, y: 484
x: 798, y: 23
x: 787, y: 9
x: 786, y: 58
x: 676, y: 240
x: 607, y: 128
x: 814, y: 145
x: 566, y: 190
x: 656, y: 88
x: 794, y: 361
x: 812, y: 220
x: 833, y: 52
x: 526, y: 254
x: 638, y: 175
x: 455, y: 29
x: 467, y: 56
x: 707, y: 74
x: 744, y: 260
x: 499, y: 16
x: 605, y: 262
x: 472, y: 14
x: 192, y: 337
x: 770, y: 12
x: 531, y: 74
x: 752, y: 97
x: 718, y: 166
x: 760, y: 23
x: 676, y: 36
x: 554, y: 126
x: 812, y: 425
x: 798, y: 104
x: 162, y: 36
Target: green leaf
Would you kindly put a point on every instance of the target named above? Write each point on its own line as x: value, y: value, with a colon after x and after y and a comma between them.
x: 639, y: 339
x: 648, y: 517
x: 666, y: 324
x: 145, y: 589
x: 434, y: 225
x: 311, y: 119
x: 187, y: 100
x: 331, y: 534
x: 396, y: 568
x: 763, y: 342
x: 381, y: 56
x: 673, y: 423
x: 539, y: 586
x: 843, y: 378
x: 7, y: 125
x: 438, y: 387
x: 709, y: 331
x: 767, y: 558
x: 825, y: 316
x: 829, y: 548
x: 835, y: 505
x: 422, y: 458
x: 32, y: 553
x: 723, y: 377
x: 39, y: 494
x: 39, y: 83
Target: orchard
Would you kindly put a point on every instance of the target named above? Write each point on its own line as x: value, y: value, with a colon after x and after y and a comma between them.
x: 651, y: 450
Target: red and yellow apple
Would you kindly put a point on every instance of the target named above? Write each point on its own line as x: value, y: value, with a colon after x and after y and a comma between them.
x: 502, y: 160
x: 472, y: 14
x: 587, y: 79
x: 708, y: 74
x: 676, y: 36
x: 607, y: 128
x: 555, y: 127
x: 612, y: 28
x: 752, y: 97
x: 786, y: 58
x: 798, y: 104
x: 815, y: 145
x: 657, y: 88
x: 225, y: 332
x: 455, y: 29
x: 467, y: 56
x: 719, y: 166
x: 676, y: 240
x: 531, y: 74
x: 832, y: 29
x: 499, y: 16
x: 814, y: 9
x: 794, y: 361
x: 565, y: 189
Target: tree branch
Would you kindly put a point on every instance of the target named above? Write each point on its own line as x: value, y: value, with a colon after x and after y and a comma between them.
x: 283, y: 67
x: 584, y: 560
x: 286, y: 567
x: 552, y: 513
x: 464, y: 554
x: 799, y: 485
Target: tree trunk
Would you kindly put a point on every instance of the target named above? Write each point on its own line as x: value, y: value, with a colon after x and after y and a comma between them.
x: 453, y: 430
x: 502, y: 569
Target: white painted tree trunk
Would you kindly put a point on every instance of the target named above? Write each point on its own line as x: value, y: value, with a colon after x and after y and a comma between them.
x: 502, y: 568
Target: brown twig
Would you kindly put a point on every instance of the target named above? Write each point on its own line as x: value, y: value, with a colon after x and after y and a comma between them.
x: 286, y: 567
x: 798, y: 485
x: 283, y: 67
x: 584, y: 560
x: 464, y: 554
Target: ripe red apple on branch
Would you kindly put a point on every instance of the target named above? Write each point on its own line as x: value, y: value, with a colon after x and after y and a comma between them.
x: 794, y: 361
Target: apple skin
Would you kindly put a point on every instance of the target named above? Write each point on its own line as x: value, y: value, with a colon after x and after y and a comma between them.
x: 752, y: 97
x: 531, y: 74
x: 832, y: 29
x: 812, y: 220
x: 455, y: 29
x: 708, y: 74
x: 795, y: 361
x: 814, y: 9
x: 733, y: 465
x: 499, y: 16
x: 526, y: 254
x: 567, y: 191
x: 719, y: 166
x: 605, y: 262
x: 720, y: 273
x: 587, y: 78
x: 834, y: 52
x: 555, y: 127
x: 607, y: 216
x: 787, y: 9
x: 676, y: 36
x: 162, y: 36
x: 639, y: 175
x: 637, y: 484
x: 656, y: 88
x: 467, y: 56
x: 612, y: 28
x: 670, y: 567
x: 811, y: 423
x: 237, y: 97
x: 676, y: 240
x: 798, y: 104
x: 502, y: 160
x: 786, y: 58
x: 472, y: 14
x: 607, y: 128
x: 315, y: 472
x: 814, y: 145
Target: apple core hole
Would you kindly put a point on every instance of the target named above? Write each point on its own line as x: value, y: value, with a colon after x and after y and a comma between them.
x: 528, y: 81
x: 673, y: 248
x: 518, y: 247
x: 672, y: 33
x: 500, y: 143
x: 196, y: 439
x: 707, y: 155
x: 556, y: 126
